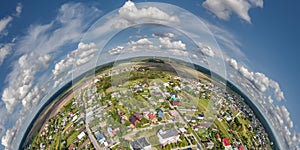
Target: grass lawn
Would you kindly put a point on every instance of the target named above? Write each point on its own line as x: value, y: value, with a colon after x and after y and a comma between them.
x: 223, y: 128
x: 72, y: 137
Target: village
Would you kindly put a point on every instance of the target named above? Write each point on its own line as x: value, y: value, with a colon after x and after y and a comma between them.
x: 136, y: 107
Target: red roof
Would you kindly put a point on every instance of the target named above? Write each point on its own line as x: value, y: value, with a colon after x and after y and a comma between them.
x: 226, y: 142
x: 175, y: 103
x: 151, y: 116
x: 241, y: 147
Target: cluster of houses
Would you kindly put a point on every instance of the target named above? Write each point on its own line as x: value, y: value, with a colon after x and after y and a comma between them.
x: 197, y: 121
x: 165, y: 137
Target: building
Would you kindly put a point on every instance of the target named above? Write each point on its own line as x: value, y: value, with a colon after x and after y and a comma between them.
x: 138, y: 115
x: 168, y: 136
x: 140, y: 144
x: 226, y: 144
x: 81, y: 135
x: 160, y: 114
x: 173, y: 113
x: 134, y: 120
x: 209, y: 144
x: 175, y: 103
x: 100, y: 137
x: 152, y: 117
x: 200, y: 116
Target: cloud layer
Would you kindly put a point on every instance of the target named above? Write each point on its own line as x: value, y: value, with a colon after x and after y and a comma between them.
x: 224, y: 8
x: 130, y: 12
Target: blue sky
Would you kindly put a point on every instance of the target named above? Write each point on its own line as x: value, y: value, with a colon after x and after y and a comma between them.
x: 262, y: 36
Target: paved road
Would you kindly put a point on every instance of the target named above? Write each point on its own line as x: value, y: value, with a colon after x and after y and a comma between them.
x: 92, y: 138
x: 90, y: 134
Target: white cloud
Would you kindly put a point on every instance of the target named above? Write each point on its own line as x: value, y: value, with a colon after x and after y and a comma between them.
x: 19, y: 8
x: 6, y: 140
x: 224, y: 8
x: 260, y: 80
x: 116, y: 50
x: 4, y: 51
x: 36, y: 49
x: 143, y: 41
x: 270, y: 100
x: 226, y: 40
x: 40, y: 41
x: 167, y: 43
x: 130, y: 12
x: 79, y: 56
x: 286, y: 116
x: 233, y: 63
x: 4, y: 22
x: 68, y: 27
x: 169, y: 35
x: 36, y: 46
x: 22, y: 79
x: 206, y: 50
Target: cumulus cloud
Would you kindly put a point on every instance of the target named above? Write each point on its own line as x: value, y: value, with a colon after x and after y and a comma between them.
x: 40, y: 41
x: 6, y: 140
x: 143, y: 41
x: 286, y: 116
x: 130, y: 12
x: 169, y: 35
x: 68, y: 27
x: 37, y: 48
x: 4, y: 51
x: 223, y: 9
x: 232, y: 63
x: 4, y: 22
x: 206, y: 50
x: 79, y: 56
x: 167, y: 43
x: 260, y: 80
x: 116, y: 50
x: 21, y: 81
x: 19, y: 8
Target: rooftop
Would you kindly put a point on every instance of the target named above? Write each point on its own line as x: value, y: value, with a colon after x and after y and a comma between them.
x: 167, y: 133
x: 139, y: 143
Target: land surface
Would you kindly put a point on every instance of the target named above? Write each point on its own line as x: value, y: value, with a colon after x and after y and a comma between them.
x: 127, y: 102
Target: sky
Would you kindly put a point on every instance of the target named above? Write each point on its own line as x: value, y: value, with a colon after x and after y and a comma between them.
x: 256, y: 39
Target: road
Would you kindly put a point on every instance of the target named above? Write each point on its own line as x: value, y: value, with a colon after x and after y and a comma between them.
x: 92, y: 138
x: 89, y: 132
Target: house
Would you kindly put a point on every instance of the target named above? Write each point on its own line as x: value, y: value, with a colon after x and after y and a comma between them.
x: 241, y: 147
x: 173, y: 113
x: 140, y: 144
x: 139, y: 116
x: 121, y: 113
x: 228, y: 117
x: 182, y: 130
x: 81, y: 135
x: 173, y: 94
x: 174, y: 98
x: 152, y: 117
x: 209, y: 144
x: 201, y: 126
x: 168, y: 136
x: 134, y: 120
x: 226, y: 143
x: 71, y: 147
x: 100, y: 137
x: 190, y: 119
x: 160, y: 114
x: 200, y: 116
x: 166, y: 84
x: 175, y: 103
